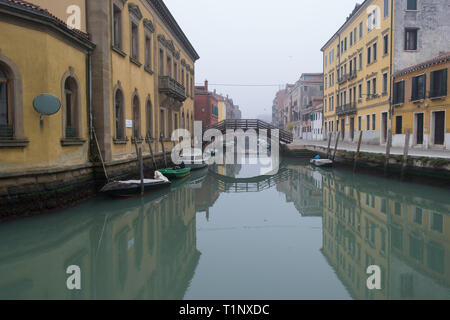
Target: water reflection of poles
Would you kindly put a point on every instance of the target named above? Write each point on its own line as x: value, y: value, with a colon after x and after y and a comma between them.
x: 96, y: 253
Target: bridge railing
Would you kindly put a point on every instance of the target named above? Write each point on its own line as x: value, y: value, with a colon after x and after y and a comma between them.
x: 249, y: 124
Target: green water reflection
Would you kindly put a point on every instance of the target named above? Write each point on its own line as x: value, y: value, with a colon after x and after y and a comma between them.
x: 304, y: 233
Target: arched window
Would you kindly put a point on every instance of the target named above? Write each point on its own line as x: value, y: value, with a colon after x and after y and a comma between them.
x: 119, y: 115
x: 11, y: 109
x: 6, y: 127
x: 136, y: 118
x: 149, y: 111
x: 72, y: 129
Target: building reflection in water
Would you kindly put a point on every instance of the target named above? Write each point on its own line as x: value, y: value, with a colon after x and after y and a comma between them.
x: 405, y: 230
x: 126, y: 249
x: 147, y: 248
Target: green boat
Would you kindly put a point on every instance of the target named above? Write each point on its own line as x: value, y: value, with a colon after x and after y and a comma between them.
x: 173, y: 173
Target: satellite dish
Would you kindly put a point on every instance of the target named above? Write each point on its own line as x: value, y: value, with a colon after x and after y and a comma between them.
x: 47, y: 104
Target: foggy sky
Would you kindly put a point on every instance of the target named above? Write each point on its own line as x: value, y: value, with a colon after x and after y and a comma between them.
x: 258, y: 42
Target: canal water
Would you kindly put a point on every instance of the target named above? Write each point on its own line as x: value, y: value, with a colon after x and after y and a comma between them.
x: 223, y: 233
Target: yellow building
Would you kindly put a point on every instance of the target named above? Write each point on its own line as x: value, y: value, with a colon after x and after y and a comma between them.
x: 357, y: 73
x: 143, y: 76
x: 40, y: 55
x: 222, y: 110
x: 118, y: 70
x: 379, y: 38
x: 421, y: 104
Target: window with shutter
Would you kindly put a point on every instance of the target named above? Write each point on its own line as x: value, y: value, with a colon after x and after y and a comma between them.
x: 438, y: 83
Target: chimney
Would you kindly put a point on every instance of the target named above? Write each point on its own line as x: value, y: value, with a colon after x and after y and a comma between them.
x: 206, y: 85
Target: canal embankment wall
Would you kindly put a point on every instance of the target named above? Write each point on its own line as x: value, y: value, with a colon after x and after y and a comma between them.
x: 43, y: 190
x: 423, y: 168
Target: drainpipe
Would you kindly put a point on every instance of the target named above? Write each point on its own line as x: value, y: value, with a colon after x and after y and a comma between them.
x: 91, y: 125
x: 391, y: 87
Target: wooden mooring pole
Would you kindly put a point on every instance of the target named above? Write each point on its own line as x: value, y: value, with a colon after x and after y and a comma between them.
x: 163, y: 149
x: 329, y: 145
x: 357, y: 150
x: 405, y: 154
x: 149, y: 141
x: 100, y: 154
x: 388, y: 151
x: 336, y: 145
x: 141, y: 169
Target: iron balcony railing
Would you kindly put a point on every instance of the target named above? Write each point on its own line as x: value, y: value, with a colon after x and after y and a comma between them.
x: 6, y: 131
x: 342, y: 79
x: 347, y: 109
x: 352, y: 75
x: 172, y: 88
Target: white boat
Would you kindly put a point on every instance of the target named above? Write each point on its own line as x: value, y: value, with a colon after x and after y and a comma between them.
x: 322, y: 162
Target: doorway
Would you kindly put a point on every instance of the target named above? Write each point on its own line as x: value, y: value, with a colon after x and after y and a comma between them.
x: 384, y: 126
x: 419, y: 128
x: 439, y: 127
x: 352, y: 128
x: 343, y: 128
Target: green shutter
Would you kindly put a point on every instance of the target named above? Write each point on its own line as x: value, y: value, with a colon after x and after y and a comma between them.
x: 444, y: 82
x: 432, y: 88
x: 402, y: 91
x: 424, y: 95
x: 414, y: 92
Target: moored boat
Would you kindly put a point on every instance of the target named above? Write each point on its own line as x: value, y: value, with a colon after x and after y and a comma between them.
x: 133, y: 188
x: 322, y: 162
x: 176, y: 172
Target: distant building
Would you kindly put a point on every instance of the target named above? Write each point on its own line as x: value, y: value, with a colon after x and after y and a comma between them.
x: 222, y: 107
x: 309, y: 97
x: 278, y: 108
x: 233, y: 111
x: 206, y: 106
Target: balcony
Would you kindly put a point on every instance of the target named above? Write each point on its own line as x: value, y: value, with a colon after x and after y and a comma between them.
x: 352, y: 75
x: 343, y: 79
x: 348, y: 109
x: 172, y: 88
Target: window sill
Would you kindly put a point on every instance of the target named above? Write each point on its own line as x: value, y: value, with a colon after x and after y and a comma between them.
x: 438, y: 98
x: 146, y: 68
x: 69, y: 142
x: 13, y: 143
x: 411, y: 50
x: 118, y: 51
x: 397, y: 105
x: 137, y: 140
x: 135, y: 61
x: 414, y: 100
x: 120, y: 141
